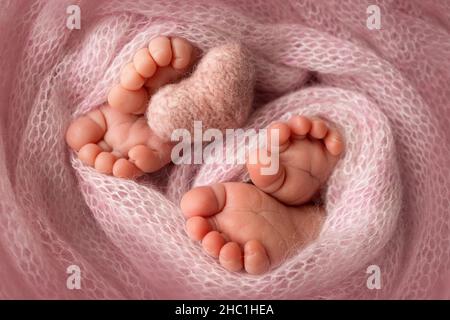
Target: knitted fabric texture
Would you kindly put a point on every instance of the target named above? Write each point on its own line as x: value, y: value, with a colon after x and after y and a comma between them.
x: 219, y: 94
x: 387, y: 202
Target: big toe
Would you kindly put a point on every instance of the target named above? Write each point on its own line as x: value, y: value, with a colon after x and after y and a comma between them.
x: 263, y: 165
x: 203, y: 201
x: 85, y: 130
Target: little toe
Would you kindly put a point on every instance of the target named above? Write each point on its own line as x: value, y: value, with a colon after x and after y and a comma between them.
x: 278, y: 135
x: 230, y: 257
x: 123, y: 168
x: 212, y: 243
x: 181, y: 53
x: 203, y: 201
x: 127, y: 101
x: 197, y: 228
x: 300, y: 126
x: 104, y: 162
x: 89, y: 153
x: 130, y: 79
x: 144, y: 64
x: 256, y: 260
x: 319, y: 129
x: 161, y: 50
x: 334, y: 142
x: 145, y: 159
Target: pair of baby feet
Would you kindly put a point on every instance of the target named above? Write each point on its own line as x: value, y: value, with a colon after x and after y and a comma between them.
x: 251, y: 226
x: 115, y: 138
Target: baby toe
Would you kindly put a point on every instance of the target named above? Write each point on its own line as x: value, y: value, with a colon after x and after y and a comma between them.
x: 130, y: 79
x: 300, y: 126
x: 203, y: 201
x: 123, y: 168
x: 256, y: 260
x: 278, y: 135
x: 197, y: 228
x: 144, y: 64
x: 334, y: 142
x: 86, y: 129
x: 319, y: 129
x: 212, y: 243
x: 89, y: 153
x: 181, y: 53
x: 104, y: 162
x: 161, y: 50
x: 145, y: 159
x: 230, y: 257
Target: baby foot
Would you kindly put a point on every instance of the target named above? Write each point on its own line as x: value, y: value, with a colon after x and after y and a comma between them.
x: 164, y: 61
x: 244, y: 226
x: 115, y: 138
x: 308, y: 152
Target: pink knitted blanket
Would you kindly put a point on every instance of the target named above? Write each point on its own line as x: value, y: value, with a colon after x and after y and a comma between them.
x: 387, y: 202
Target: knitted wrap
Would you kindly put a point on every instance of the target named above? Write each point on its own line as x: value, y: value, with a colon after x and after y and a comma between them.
x: 387, y: 201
